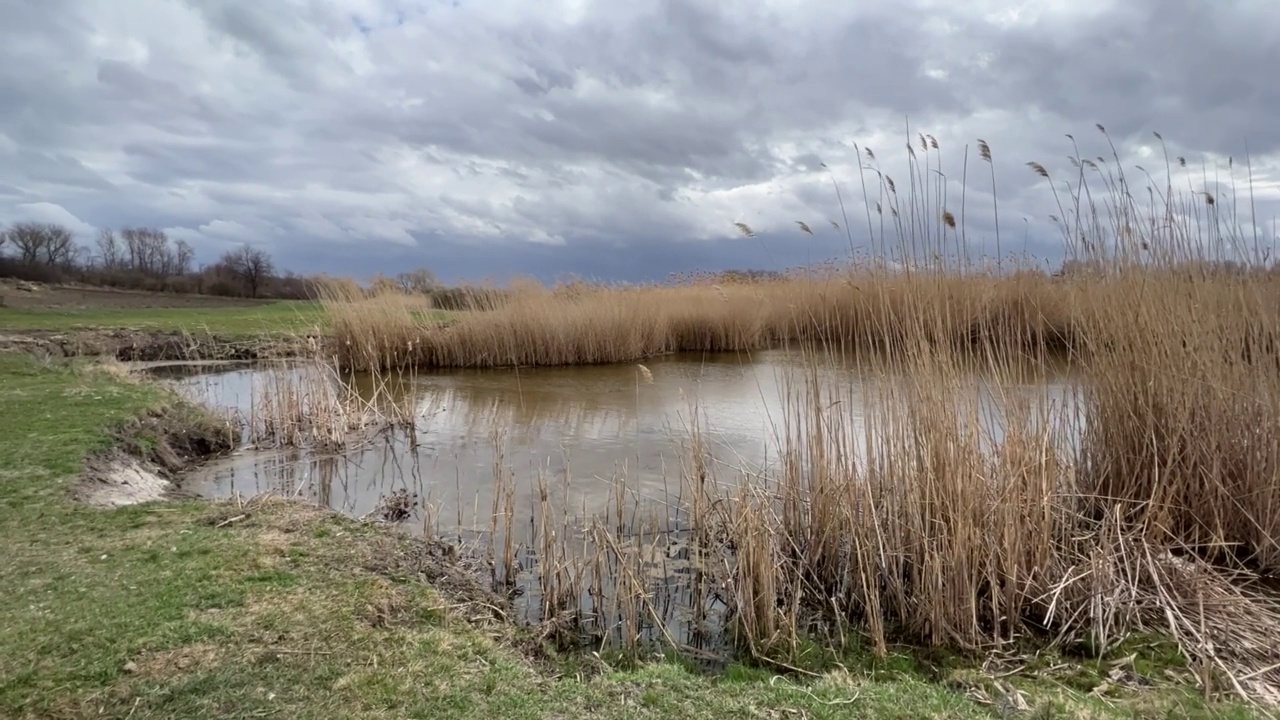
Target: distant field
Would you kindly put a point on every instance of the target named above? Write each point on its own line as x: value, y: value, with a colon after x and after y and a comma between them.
x: 63, y: 308
x: 274, y: 317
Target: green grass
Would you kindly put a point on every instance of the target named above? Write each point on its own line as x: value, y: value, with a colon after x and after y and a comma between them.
x: 232, y: 320
x: 153, y: 611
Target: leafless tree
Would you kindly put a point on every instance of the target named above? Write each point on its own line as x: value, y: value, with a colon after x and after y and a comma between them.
x: 59, y: 246
x: 42, y: 243
x: 183, y: 256
x: 147, y: 251
x: 421, y: 280
x: 110, y: 254
x: 251, y: 265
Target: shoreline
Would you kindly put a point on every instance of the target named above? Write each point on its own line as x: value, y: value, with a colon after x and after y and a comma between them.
x: 294, y: 608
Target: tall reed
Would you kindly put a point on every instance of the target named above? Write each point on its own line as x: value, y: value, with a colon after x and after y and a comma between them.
x: 932, y: 508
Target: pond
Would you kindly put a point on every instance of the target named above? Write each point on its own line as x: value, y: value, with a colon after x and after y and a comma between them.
x: 555, y: 449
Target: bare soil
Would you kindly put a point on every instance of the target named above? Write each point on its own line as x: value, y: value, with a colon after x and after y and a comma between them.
x: 150, y: 453
x: 130, y: 345
x: 120, y: 481
x: 24, y: 295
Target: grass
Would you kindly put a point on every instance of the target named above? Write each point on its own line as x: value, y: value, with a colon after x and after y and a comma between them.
x: 154, y: 611
x: 280, y: 317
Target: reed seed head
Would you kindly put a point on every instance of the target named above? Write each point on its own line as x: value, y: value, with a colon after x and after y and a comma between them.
x: 804, y: 227
x: 949, y: 219
x: 1038, y: 169
x: 984, y: 150
x: 745, y: 229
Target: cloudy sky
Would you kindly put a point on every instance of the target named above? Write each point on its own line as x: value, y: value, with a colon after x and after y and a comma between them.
x: 612, y: 139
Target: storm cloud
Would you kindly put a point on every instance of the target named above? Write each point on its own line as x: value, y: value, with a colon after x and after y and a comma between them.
x: 618, y: 140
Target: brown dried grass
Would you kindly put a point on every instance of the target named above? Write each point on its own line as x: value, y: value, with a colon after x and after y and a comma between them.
x: 920, y: 518
x: 602, y: 324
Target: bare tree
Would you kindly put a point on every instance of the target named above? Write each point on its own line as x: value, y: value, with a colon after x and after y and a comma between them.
x: 42, y: 243
x: 110, y: 254
x: 147, y: 251
x: 184, y: 255
x: 251, y: 265
x: 421, y: 280
x: 59, y: 246
x: 81, y: 257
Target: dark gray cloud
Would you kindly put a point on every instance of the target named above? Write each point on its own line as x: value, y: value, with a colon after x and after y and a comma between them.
x: 606, y: 139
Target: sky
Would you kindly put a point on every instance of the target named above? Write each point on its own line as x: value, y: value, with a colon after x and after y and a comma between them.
x: 612, y: 140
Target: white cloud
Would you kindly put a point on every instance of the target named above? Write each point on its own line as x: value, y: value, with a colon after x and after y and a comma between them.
x: 583, y: 127
x: 49, y: 213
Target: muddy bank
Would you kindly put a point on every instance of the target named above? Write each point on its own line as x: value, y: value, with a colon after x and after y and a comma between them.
x: 129, y: 345
x: 148, y: 455
x: 151, y: 452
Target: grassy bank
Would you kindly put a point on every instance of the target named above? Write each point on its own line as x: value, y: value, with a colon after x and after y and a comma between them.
x: 246, y: 319
x: 179, y: 609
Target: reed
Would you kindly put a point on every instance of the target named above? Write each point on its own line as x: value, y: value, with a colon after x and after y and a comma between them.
x: 303, y: 406
x: 313, y: 404
x: 543, y: 326
x: 944, y: 512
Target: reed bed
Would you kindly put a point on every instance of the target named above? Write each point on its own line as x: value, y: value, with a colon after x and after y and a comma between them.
x: 312, y: 404
x: 920, y: 517
x: 543, y: 326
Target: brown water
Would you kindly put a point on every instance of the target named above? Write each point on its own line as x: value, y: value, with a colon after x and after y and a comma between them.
x: 596, y: 439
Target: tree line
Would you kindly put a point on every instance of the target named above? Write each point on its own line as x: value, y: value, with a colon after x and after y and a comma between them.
x: 141, y: 258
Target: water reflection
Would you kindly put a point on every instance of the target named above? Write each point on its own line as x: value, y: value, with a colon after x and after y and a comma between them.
x: 510, y: 457
x: 594, y: 431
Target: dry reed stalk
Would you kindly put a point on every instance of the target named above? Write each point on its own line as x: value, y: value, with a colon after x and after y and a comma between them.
x: 306, y: 406
x: 906, y: 509
x: 869, y: 308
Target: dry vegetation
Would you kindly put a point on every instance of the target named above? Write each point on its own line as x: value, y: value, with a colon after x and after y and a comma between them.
x: 1148, y: 508
x: 593, y: 324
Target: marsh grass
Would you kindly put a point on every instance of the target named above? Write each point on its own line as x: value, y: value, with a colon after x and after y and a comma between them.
x: 928, y: 516
x: 312, y: 404
x: 857, y: 308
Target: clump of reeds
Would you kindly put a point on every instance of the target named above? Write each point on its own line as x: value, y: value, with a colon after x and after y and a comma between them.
x: 914, y: 519
x: 306, y: 405
x: 375, y: 329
